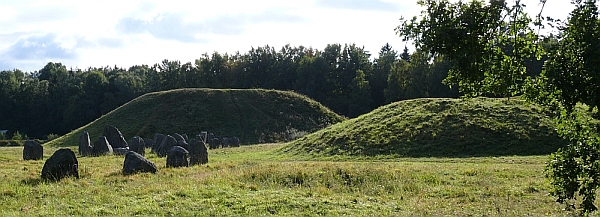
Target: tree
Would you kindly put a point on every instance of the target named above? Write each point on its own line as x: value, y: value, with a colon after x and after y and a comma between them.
x: 572, y: 77
x: 381, y: 70
x: 487, y: 45
x: 360, y: 95
x: 405, y: 55
x: 397, y: 82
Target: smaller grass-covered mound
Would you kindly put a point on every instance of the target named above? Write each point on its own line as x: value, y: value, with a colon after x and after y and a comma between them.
x: 253, y: 115
x: 438, y: 128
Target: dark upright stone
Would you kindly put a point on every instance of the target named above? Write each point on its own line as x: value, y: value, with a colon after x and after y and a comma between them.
x: 235, y: 142
x: 61, y: 164
x: 177, y: 156
x: 138, y: 145
x: 214, y: 143
x: 32, y: 150
x: 198, y: 153
x: 148, y: 143
x: 165, y: 145
x: 101, y: 147
x: 85, y: 144
x: 158, y: 138
x: 114, y: 137
x: 225, y: 142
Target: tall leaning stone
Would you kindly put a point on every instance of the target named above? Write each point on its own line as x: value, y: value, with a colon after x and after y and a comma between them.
x: 158, y: 138
x: 168, y: 142
x: 85, y: 145
x: 136, y: 163
x: 138, y: 145
x: 32, y: 150
x: 185, y: 137
x: 114, y: 137
x: 179, y: 137
x: 198, y: 152
x: 101, y: 147
x: 61, y: 164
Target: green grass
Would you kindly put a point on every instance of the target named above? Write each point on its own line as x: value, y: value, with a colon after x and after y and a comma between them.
x: 258, y: 181
x: 253, y: 115
x: 437, y: 128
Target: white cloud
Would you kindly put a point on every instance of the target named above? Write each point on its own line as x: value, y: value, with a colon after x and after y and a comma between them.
x: 125, y: 33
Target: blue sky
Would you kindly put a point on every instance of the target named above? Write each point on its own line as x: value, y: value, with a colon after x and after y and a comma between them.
x: 83, y: 34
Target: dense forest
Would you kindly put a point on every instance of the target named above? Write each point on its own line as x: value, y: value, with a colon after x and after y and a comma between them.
x: 57, y: 99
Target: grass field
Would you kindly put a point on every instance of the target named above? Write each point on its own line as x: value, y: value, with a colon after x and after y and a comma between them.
x: 260, y: 181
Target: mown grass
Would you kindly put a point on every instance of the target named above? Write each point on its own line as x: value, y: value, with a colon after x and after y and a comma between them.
x: 438, y: 128
x: 252, y: 115
x: 259, y: 181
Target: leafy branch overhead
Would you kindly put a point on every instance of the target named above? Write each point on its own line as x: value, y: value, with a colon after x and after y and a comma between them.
x: 486, y: 43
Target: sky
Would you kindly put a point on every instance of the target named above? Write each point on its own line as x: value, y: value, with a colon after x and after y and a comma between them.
x: 97, y: 33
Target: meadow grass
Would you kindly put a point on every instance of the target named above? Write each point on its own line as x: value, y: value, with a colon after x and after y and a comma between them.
x: 438, y: 127
x: 252, y: 115
x: 259, y: 181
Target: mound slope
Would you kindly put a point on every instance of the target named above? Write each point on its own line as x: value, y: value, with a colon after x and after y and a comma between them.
x: 438, y: 128
x: 252, y: 115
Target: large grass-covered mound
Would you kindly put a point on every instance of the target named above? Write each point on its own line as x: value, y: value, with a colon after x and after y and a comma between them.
x: 438, y: 128
x: 252, y: 115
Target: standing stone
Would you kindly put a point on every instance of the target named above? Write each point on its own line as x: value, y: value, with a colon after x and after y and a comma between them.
x: 183, y: 144
x: 178, y: 157
x: 225, y: 142
x: 32, y: 150
x: 198, y: 153
x: 179, y: 137
x: 210, y: 137
x: 136, y: 163
x: 61, y: 164
x: 214, y: 143
x: 138, y: 145
x: 158, y: 138
x: 101, y: 147
x: 85, y: 145
x: 148, y: 143
x: 166, y: 145
x: 235, y: 142
x: 186, y: 138
x: 114, y: 137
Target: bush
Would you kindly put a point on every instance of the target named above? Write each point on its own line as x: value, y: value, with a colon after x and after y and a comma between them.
x: 51, y: 137
x: 17, y: 136
x: 4, y: 143
x: 2, y: 136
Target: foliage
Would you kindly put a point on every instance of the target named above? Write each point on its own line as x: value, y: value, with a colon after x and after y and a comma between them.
x: 17, y: 136
x: 474, y: 37
x: 571, y: 78
x: 488, y: 46
x: 51, y: 137
x: 438, y: 128
x: 256, y: 181
x: 71, y: 98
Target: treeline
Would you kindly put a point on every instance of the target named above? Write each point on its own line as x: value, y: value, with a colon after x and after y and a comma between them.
x: 56, y: 100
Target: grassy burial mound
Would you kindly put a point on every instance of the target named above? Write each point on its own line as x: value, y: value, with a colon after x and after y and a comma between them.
x: 252, y: 115
x: 438, y: 128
